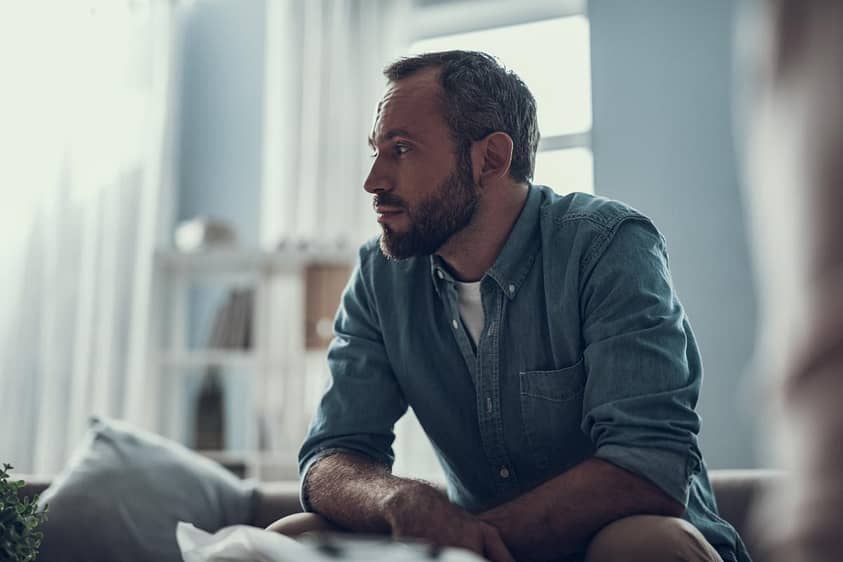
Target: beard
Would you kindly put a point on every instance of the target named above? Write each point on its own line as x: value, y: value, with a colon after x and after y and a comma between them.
x: 435, y: 219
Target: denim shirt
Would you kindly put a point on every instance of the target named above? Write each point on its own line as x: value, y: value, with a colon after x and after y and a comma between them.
x: 585, y: 352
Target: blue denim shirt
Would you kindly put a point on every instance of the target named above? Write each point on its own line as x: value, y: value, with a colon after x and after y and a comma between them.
x: 586, y: 351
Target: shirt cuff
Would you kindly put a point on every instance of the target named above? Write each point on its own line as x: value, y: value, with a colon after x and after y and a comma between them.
x: 304, y: 496
x: 670, y: 471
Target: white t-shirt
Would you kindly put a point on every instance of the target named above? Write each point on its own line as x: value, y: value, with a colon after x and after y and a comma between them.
x: 471, y: 308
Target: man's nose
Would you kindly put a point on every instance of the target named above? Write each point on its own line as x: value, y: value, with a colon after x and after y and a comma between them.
x: 377, y: 180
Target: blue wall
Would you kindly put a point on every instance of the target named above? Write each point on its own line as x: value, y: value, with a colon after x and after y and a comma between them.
x: 662, y: 88
x: 222, y: 111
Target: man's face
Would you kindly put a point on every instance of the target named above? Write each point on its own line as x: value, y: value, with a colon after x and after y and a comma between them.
x: 423, y: 191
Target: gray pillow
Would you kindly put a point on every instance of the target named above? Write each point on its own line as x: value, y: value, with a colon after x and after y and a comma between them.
x: 124, y: 490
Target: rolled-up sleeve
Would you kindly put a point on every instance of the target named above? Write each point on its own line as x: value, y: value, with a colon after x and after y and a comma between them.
x: 362, y: 400
x: 644, y: 370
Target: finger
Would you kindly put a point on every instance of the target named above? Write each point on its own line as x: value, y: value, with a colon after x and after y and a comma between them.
x: 495, y: 549
x: 301, y: 523
x: 477, y: 546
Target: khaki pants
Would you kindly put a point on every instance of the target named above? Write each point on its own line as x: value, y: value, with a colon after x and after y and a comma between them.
x: 639, y: 538
x: 652, y: 538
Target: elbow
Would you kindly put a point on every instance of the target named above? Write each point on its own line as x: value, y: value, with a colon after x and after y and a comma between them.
x: 653, y: 501
x: 671, y: 508
x: 659, y: 502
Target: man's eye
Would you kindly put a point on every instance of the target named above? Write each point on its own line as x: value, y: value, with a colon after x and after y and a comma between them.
x: 398, y: 149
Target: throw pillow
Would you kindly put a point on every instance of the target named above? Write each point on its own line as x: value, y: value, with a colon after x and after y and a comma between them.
x: 123, y: 492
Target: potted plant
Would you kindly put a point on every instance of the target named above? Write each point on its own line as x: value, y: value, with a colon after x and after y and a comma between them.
x: 19, y: 521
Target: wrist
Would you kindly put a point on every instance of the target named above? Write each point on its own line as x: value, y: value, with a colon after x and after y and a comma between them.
x: 407, y: 506
x: 501, y: 518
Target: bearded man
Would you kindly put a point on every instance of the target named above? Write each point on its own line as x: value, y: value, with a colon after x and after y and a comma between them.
x: 537, y: 337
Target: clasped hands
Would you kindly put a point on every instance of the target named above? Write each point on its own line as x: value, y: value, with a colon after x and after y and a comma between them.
x: 424, y: 513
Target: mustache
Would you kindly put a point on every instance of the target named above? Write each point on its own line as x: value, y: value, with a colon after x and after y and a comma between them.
x: 388, y: 200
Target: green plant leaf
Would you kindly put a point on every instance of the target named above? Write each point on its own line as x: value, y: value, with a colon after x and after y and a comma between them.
x: 20, y: 537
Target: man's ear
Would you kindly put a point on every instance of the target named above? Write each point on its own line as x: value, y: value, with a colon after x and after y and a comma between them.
x: 491, y: 157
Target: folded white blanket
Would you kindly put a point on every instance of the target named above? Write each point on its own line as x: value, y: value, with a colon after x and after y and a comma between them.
x: 252, y: 544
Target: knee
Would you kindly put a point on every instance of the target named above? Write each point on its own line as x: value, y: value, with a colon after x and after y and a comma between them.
x: 650, y: 538
x: 301, y: 523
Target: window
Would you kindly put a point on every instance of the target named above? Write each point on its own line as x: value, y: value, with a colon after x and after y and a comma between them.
x: 551, y: 55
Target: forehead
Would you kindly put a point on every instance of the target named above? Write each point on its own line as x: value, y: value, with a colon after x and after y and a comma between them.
x: 412, y: 104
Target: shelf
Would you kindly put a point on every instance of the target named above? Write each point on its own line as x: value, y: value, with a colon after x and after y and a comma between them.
x: 275, y: 457
x: 250, y: 260
x: 282, y: 285
x: 209, y: 358
x: 279, y: 468
x: 227, y: 457
x: 220, y: 358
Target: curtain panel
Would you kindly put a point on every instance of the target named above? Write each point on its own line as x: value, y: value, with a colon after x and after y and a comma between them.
x: 88, y: 190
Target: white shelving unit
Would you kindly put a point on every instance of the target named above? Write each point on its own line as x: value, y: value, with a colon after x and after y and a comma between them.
x: 177, y: 272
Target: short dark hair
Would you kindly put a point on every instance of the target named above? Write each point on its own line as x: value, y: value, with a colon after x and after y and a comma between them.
x: 481, y: 96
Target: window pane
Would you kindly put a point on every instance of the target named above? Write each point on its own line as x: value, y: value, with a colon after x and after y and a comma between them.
x: 551, y: 56
x: 565, y: 170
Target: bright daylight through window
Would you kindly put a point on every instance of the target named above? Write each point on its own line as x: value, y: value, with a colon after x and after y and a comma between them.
x: 552, y: 57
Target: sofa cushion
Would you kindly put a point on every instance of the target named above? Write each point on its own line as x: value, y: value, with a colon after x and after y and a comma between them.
x: 123, y: 492
x: 738, y: 493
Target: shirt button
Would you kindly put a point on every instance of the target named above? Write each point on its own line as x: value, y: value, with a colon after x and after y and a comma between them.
x: 504, y: 472
x: 455, y: 324
x: 511, y: 289
x: 439, y: 274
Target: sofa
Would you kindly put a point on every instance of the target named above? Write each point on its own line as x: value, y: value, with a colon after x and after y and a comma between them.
x: 735, y: 491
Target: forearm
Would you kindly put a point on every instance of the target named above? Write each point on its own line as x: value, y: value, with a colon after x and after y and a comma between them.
x: 560, y: 516
x: 360, y: 494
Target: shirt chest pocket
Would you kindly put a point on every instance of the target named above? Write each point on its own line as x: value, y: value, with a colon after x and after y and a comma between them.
x: 551, y: 412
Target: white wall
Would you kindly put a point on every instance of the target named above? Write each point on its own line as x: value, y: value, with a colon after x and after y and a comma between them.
x: 662, y: 139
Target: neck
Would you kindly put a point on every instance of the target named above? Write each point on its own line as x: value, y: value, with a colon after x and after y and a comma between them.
x: 472, y: 251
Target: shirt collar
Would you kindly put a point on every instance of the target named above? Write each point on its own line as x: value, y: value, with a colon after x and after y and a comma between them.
x: 517, y: 255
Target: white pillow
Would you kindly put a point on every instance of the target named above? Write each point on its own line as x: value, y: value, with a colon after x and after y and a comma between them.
x: 123, y: 492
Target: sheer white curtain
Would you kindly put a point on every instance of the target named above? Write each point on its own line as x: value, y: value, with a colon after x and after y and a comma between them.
x: 84, y: 192
x: 323, y: 80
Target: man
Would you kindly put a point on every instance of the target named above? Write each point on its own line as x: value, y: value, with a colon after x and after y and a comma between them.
x: 537, y: 338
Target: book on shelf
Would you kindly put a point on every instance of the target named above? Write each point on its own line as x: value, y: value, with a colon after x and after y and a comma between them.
x: 231, y: 329
x: 232, y: 326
